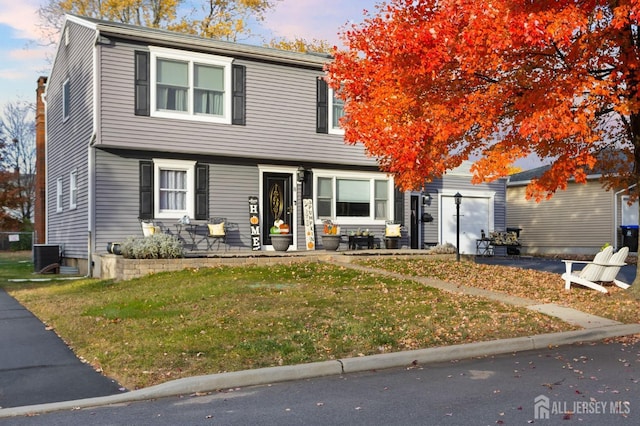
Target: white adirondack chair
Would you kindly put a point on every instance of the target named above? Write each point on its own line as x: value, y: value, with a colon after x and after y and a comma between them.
x: 592, y: 272
x: 613, y: 267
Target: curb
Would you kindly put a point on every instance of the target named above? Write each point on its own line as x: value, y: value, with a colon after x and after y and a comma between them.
x: 261, y: 376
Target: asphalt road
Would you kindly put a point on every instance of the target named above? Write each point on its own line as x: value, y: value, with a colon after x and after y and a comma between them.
x: 593, y: 384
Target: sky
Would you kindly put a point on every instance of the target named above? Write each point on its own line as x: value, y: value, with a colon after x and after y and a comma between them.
x: 23, y: 60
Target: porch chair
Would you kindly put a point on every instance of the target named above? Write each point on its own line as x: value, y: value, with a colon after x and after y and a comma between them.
x: 616, y: 262
x: 591, y: 274
x: 392, y: 234
x: 149, y: 228
x: 217, y: 232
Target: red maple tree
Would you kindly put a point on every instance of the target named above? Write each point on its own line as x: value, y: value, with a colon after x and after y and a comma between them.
x: 431, y: 83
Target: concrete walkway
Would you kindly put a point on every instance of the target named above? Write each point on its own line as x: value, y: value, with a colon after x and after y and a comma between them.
x: 593, y: 328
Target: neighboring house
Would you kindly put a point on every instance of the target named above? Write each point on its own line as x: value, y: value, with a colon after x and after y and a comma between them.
x: 146, y: 124
x: 578, y: 220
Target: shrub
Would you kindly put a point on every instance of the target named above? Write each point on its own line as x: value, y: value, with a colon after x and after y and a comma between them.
x: 447, y: 248
x: 156, y: 246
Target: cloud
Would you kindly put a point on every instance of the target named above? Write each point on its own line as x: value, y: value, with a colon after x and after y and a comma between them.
x: 22, y: 17
x: 315, y: 19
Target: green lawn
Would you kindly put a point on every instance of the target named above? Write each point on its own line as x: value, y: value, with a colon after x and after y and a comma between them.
x: 170, y: 325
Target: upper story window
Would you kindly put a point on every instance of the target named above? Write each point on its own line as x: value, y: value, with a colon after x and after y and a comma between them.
x: 336, y: 112
x: 66, y: 99
x: 190, y: 85
x: 329, y: 109
x: 356, y: 197
x: 73, y: 189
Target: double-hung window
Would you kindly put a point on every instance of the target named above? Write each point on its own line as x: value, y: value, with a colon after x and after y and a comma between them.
x: 190, y: 85
x: 336, y: 112
x: 174, y: 188
x: 73, y: 189
x: 59, y: 194
x: 353, y: 196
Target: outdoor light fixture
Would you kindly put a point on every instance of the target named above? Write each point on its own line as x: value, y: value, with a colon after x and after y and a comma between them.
x: 426, y: 199
x: 458, y: 200
x: 300, y: 174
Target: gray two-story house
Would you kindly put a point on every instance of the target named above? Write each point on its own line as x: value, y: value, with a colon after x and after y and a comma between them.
x: 150, y: 125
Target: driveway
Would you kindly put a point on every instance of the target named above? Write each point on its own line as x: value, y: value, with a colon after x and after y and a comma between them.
x: 37, y: 367
x: 627, y: 273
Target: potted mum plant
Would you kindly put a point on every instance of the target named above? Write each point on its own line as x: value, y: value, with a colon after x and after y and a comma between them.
x: 331, y: 236
x: 281, y: 239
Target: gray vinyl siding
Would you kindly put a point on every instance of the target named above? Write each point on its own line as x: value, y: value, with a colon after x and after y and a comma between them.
x: 229, y: 189
x: 280, y: 117
x: 117, y: 201
x: 67, y: 141
x: 577, y: 220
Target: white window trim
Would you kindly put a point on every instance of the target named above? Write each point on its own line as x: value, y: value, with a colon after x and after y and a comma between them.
x: 59, y: 207
x: 189, y: 167
x: 191, y: 58
x: 65, y: 107
x: 73, y: 190
x: 333, y: 130
x: 349, y: 220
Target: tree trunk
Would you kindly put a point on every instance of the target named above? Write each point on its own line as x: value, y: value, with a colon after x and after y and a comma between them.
x: 635, y: 286
x: 635, y: 137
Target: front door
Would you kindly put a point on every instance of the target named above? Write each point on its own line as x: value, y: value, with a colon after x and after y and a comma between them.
x: 277, y: 202
x: 415, y: 222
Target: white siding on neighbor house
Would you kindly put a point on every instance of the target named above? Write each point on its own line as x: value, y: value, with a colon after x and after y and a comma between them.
x: 67, y: 141
x: 280, y: 117
x: 578, y: 220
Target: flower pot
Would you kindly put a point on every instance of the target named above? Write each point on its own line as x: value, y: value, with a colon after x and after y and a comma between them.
x: 114, y: 248
x: 281, y: 242
x: 330, y: 241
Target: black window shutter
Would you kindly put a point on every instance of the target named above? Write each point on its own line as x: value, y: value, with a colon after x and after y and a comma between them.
x: 322, y: 110
x: 142, y: 93
x: 239, y: 99
x: 398, y: 207
x: 146, y: 190
x: 202, y: 192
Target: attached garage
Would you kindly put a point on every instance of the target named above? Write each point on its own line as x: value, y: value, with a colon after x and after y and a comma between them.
x: 476, y: 215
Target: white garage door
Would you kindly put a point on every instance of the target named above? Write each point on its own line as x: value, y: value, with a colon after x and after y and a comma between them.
x: 474, y: 217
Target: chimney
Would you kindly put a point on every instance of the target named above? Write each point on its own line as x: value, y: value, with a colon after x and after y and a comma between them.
x: 41, y: 192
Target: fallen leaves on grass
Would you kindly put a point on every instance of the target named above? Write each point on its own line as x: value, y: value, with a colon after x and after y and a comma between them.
x: 543, y: 287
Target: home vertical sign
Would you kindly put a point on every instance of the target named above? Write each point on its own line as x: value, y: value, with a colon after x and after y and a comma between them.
x: 254, y: 222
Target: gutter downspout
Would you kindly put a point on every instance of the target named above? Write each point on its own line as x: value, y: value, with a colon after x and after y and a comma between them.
x: 91, y: 161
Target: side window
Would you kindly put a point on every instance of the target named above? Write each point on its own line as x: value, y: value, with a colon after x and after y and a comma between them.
x: 59, y: 195
x: 325, y: 197
x: 66, y: 99
x: 73, y: 189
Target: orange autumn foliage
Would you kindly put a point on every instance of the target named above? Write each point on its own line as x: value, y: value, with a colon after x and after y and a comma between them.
x: 432, y: 83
